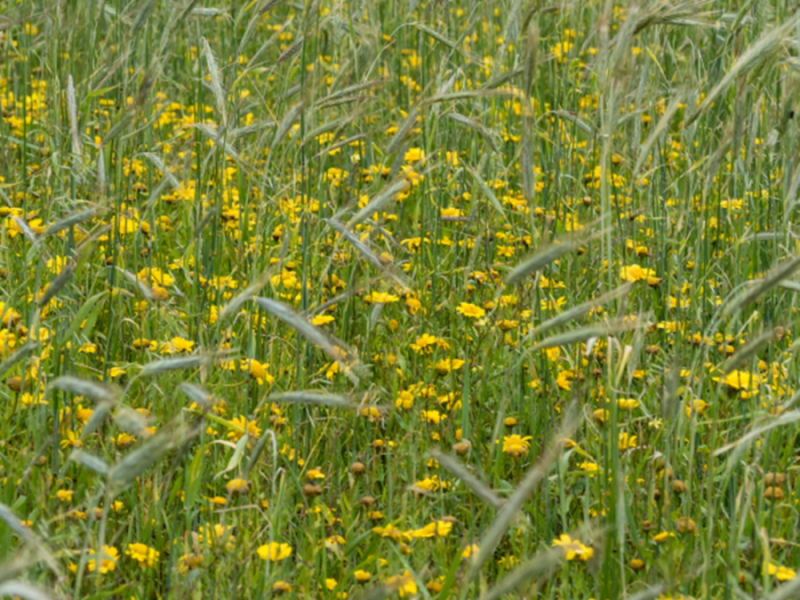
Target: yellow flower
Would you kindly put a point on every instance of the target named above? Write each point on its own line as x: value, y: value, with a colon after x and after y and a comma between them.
x: 115, y: 372
x: 433, y: 416
x: 216, y: 534
x: 740, y: 381
x: 380, y: 298
x: 627, y: 403
x: 361, y: 576
x: 274, y: 551
x: 314, y: 474
x: 143, y: 554
x: 444, y: 366
x: 238, y: 486
x: 470, y: 550
x: 516, y: 446
x: 573, y: 548
x: 87, y: 348
x: 64, y: 495
x: 187, y: 562
x: 322, y: 320
x: 781, y: 573
x: 243, y: 425
x: 391, y: 532
x: 182, y: 344
x: 635, y: 273
x: 698, y: 406
x: 662, y: 537
x: 405, y: 399
x: 451, y: 212
x: 470, y: 310
x: 71, y: 440
x: 257, y: 371
x: 436, y: 529
x: 414, y: 155
x: 155, y: 276
x: 508, y: 325
x: 108, y: 561
x: 627, y: 441
x: 281, y: 587
x: 404, y: 584
x: 123, y: 440
x: 427, y: 342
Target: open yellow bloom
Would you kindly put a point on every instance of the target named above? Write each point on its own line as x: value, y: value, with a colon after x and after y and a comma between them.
x: 470, y: 310
x: 781, y: 573
x: 573, y: 548
x: 436, y: 529
x: 274, y: 551
x: 516, y: 446
x: 404, y: 584
x: 108, y: 560
x: 143, y: 554
x: 634, y: 273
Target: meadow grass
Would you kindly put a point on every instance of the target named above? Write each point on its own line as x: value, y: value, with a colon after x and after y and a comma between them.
x: 433, y: 299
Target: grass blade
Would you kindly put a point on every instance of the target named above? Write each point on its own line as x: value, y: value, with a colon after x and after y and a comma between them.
x: 459, y: 469
x: 216, y: 86
x: 334, y: 348
x: 371, y: 257
x: 19, y: 355
x: 585, y: 333
x: 91, y: 389
x: 319, y: 398
x: 530, y: 481
x: 130, y: 468
x: 762, y: 286
x: 582, y: 309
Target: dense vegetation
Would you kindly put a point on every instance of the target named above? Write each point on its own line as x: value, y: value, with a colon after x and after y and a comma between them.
x: 358, y: 299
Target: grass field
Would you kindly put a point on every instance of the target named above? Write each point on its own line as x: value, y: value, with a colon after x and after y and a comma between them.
x: 434, y: 299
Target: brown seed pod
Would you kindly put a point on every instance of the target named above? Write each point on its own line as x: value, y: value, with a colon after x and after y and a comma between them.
x: 686, y: 525
x: 357, y: 468
x: 771, y: 479
x: 311, y: 490
x: 773, y: 493
x: 678, y: 486
x: 14, y: 383
x: 461, y: 448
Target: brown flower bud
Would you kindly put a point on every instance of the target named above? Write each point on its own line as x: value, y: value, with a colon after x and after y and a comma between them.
x: 14, y: 383
x: 357, y: 468
x: 678, y: 486
x: 311, y: 490
x: 686, y: 525
x: 773, y: 493
x: 774, y: 479
x: 461, y: 448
